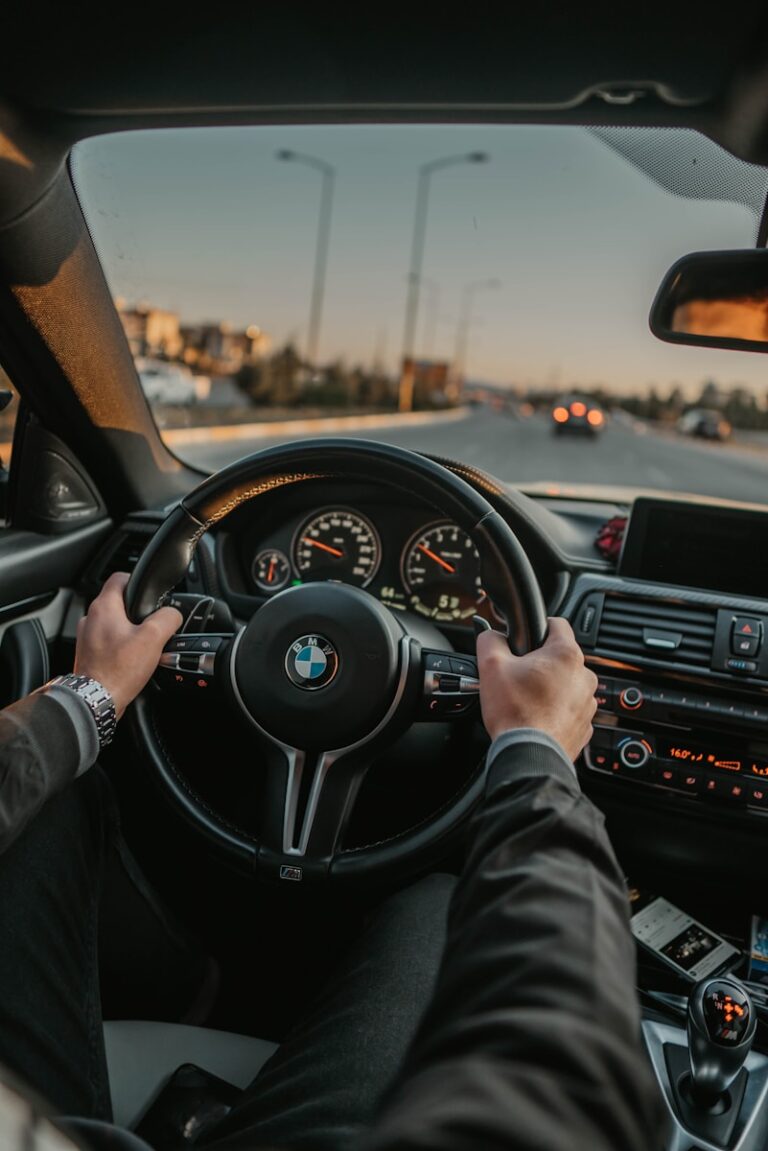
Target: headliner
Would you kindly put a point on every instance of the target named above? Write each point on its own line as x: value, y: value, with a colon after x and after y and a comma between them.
x: 342, y: 61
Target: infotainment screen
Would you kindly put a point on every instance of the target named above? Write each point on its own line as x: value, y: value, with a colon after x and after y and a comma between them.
x: 697, y: 545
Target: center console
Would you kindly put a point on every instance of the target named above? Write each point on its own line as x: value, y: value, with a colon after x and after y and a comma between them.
x: 679, y: 641
x: 678, y: 638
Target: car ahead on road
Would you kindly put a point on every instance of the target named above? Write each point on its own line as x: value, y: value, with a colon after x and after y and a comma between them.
x: 577, y: 414
x: 270, y: 781
x: 706, y: 423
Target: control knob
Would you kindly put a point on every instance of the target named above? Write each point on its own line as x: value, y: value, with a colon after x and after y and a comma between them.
x: 631, y: 698
x: 634, y: 753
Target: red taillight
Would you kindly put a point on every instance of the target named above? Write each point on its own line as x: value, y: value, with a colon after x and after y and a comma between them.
x: 578, y: 409
x: 595, y: 418
x: 560, y: 415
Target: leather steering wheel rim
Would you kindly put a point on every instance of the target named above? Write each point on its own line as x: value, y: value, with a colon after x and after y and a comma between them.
x: 507, y: 575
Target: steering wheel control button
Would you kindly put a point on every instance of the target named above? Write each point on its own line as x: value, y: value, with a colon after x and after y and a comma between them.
x: 311, y: 662
x: 634, y: 753
x: 746, y: 635
x: 435, y: 662
x: 631, y: 699
x: 447, y: 691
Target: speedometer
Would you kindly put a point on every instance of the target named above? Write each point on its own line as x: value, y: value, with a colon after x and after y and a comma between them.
x: 441, y: 573
x: 337, y: 544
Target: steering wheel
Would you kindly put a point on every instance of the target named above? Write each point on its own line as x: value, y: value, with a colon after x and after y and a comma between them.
x: 325, y: 674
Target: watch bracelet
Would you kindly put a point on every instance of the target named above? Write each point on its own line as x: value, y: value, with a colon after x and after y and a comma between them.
x: 98, y: 699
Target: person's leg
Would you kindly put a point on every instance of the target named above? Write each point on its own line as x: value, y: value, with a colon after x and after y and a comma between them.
x: 322, y: 1086
x: 50, y: 1013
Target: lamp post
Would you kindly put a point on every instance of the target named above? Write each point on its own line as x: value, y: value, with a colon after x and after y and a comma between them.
x: 327, y: 187
x: 426, y: 171
x: 465, y: 321
x: 431, y: 315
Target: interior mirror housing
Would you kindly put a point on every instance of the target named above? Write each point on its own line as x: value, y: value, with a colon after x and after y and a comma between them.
x: 715, y: 300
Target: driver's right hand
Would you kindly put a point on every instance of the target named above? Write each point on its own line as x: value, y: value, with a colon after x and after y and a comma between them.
x: 549, y: 689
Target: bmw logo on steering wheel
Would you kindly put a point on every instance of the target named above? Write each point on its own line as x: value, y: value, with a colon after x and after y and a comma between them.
x: 311, y: 662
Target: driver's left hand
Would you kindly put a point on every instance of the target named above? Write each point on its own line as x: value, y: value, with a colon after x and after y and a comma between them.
x: 119, y: 654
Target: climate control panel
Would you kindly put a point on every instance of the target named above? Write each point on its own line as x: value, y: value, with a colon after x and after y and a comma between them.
x: 682, y: 741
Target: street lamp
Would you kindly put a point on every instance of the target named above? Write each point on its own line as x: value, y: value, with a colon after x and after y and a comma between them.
x: 407, y: 374
x: 464, y: 322
x: 431, y: 315
x: 328, y: 180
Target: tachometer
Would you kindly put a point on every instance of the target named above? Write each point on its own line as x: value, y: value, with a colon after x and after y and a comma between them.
x: 337, y: 544
x: 441, y: 573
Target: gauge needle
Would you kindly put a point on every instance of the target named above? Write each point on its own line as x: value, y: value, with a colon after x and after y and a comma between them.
x: 271, y: 571
x: 323, y: 547
x: 438, y: 559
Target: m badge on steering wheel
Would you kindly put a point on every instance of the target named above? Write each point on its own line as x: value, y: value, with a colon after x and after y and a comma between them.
x: 311, y: 662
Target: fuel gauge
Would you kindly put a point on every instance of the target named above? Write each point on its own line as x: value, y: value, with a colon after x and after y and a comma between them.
x: 271, y: 570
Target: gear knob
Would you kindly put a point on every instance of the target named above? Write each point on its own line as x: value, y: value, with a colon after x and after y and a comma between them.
x: 721, y: 1026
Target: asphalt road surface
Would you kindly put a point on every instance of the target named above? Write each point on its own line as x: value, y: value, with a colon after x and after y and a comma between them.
x: 526, y: 451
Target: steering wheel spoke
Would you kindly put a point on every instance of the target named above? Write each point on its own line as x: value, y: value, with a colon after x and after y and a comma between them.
x: 309, y: 800
x: 451, y: 686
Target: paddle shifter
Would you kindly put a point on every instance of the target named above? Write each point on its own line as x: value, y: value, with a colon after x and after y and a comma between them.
x: 721, y: 1026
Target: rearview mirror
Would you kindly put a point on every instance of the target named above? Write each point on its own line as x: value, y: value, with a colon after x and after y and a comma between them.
x: 715, y: 300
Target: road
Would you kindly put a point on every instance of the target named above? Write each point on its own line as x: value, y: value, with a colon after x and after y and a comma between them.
x: 526, y: 452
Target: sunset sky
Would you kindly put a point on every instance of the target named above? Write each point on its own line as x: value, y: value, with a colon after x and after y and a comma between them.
x: 208, y: 223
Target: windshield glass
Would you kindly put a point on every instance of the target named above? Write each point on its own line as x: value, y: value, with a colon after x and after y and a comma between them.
x: 474, y: 292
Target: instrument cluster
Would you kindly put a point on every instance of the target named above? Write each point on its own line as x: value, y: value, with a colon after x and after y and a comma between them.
x: 432, y: 567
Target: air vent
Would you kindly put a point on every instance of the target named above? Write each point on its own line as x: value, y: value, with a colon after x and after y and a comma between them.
x: 120, y: 554
x: 659, y: 630
x: 124, y: 554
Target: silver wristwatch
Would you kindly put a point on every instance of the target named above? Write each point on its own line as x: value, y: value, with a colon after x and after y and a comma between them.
x: 98, y: 699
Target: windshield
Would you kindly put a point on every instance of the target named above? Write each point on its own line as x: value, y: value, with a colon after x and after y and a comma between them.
x: 474, y: 292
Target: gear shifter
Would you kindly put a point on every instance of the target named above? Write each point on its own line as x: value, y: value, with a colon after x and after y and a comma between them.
x: 721, y: 1026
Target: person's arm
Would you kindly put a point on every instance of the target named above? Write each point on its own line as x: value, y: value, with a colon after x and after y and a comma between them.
x: 532, y: 1039
x: 50, y: 737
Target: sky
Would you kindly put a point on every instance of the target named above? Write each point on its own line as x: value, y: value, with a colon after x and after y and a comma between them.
x: 208, y: 223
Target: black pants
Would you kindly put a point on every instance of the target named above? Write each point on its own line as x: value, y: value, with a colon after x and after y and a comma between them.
x: 319, y: 1089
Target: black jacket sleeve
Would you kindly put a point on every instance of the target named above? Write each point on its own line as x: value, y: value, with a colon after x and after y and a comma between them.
x: 532, y: 1040
x: 39, y: 754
